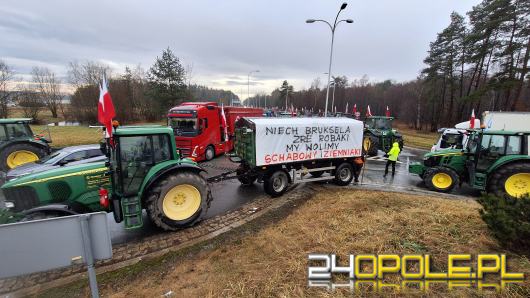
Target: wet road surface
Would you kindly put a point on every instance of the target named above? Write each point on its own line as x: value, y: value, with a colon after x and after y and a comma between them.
x: 230, y: 194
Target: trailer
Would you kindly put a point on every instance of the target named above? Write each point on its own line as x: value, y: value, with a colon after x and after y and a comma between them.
x: 279, y: 152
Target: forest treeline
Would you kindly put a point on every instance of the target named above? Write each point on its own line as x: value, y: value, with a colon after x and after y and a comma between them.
x: 479, y: 61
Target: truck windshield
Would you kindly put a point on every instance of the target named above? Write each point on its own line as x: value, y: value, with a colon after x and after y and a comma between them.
x: 382, y: 124
x: 186, y: 127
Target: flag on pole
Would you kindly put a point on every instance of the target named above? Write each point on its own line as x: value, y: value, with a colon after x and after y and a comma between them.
x: 368, y: 112
x: 106, y: 110
x: 387, y: 113
x: 346, y: 111
x: 223, y: 122
x: 472, y: 119
x: 355, y: 109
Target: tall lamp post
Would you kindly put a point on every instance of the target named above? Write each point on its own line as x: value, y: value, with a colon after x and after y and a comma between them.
x: 335, y: 24
x: 248, y: 82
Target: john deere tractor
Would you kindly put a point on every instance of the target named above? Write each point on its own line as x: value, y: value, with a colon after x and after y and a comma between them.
x: 379, y: 135
x: 144, y: 171
x: 497, y: 162
x: 18, y: 144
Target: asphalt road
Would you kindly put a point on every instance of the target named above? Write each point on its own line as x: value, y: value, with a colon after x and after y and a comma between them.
x: 230, y: 194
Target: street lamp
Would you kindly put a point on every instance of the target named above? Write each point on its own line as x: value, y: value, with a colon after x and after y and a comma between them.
x: 333, y: 97
x: 335, y: 24
x: 248, y: 82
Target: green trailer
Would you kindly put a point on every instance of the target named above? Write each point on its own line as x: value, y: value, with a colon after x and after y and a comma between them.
x: 279, y: 152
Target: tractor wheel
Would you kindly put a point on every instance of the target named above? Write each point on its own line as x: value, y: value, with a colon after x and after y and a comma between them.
x: 178, y: 201
x: 512, y: 180
x: 19, y: 154
x: 343, y: 174
x: 209, y: 153
x: 370, y: 145
x: 243, y: 176
x: 276, y: 184
x: 441, y: 179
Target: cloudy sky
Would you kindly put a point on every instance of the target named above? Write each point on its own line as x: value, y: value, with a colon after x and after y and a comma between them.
x: 224, y: 40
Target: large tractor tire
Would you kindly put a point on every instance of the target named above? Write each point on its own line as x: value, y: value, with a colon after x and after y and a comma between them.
x: 244, y: 177
x: 512, y: 180
x: 441, y: 179
x: 370, y: 145
x: 15, y: 155
x: 277, y: 183
x: 178, y: 201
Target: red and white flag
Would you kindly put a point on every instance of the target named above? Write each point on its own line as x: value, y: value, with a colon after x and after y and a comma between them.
x: 387, y: 113
x: 368, y: 112
x: 223, y: 122
x: 106, y: 110
x: 472, y: 119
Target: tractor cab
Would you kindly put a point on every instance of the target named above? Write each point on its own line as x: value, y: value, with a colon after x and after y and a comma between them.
x: 490, y: 149
x: 379, y: 123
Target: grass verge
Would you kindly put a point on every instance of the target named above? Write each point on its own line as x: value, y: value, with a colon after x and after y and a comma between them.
x: 268, y: 257
x: 418, y: 139
x: 63, y: 136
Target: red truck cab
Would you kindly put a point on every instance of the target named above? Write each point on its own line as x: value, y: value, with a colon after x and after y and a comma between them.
x: 199, y: 131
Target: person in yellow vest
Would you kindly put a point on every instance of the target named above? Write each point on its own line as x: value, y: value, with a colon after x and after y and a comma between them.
x: 392, y: 158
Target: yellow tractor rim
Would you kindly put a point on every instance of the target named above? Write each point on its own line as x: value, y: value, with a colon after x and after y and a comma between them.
x: 20, y: 157
x: 367, y: 143
x: 518, y: 185
x: 181, y: 202
x: 442, y: 180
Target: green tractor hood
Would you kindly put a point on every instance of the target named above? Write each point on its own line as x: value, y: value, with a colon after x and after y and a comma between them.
x: 69, y: 185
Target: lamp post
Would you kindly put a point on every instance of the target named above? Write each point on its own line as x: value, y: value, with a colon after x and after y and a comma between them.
x: 335, y: 24
x: 333, y: 97
x: 248, y: 83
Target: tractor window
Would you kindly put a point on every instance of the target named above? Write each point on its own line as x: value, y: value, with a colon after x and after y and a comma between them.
x: 137, y: 155
x: 381, y: 124
x: 514, y: 145
x: 3, y: 136
x: 17, y: 130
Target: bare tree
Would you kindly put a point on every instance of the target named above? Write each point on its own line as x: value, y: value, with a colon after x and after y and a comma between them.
x: 49, y: 88
x: 6, y: 75
x: 87, y: 73
x: 189, y: 74
x: 29, y: 99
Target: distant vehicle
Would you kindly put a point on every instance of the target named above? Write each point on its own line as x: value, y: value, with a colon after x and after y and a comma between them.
x: 456, y: 138
x: 379, y: 135
x: 18, y: 144
x: 68, y: 156
x: 197, y: 127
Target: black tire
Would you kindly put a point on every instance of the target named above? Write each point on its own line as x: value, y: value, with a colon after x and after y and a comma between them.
x: 276, y: 184
x: 243, y: 176
x: 371, y: 150
x: 157, y: 193
x: 497, y: 181
x: 343, y: 174
x: 430, y: 179
x: 209, y: 153
x: 40, y: 152
x: 316, y: 174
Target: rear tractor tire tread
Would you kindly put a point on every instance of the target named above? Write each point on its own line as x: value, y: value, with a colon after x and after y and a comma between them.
x: 498, y: 179
x: 156, y: 193
x: 40, y: 152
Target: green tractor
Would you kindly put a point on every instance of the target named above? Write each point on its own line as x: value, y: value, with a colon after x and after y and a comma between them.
x: 497, y: 162
x: 144, y: 171
x: 379, y: 135
x: 18, y: 144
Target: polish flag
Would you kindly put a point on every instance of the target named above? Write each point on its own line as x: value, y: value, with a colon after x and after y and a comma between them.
x: 472, y: 119
x: 368, y: 112
x: 105, y: 108
x: 387, y: 113
x: 223, y: 122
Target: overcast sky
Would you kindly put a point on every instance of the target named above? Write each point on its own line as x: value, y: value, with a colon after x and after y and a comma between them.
x: 224, y: 40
